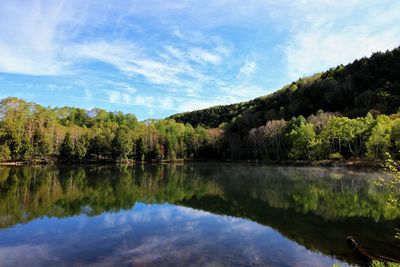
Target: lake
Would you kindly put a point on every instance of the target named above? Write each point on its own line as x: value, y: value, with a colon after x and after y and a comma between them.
x: 191, y: 215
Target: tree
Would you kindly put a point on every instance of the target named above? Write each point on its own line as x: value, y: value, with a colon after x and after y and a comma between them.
x: 5, y: 153
x: 44, y: 147
x: 141, y: 150
x: 392, y: 184
x: 156, y: 153
x: 26, y: 149
x: 80, y: 148
x: 101, y: 142
x: 395, y: 136
x: 67, y: 148
x: 378, y: 143
x: 122, y: 144
x: 258, y: 140
x: 302, y: 139
x: 274, y: 133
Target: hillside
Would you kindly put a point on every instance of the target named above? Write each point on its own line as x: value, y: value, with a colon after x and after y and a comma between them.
x: 367, y: 84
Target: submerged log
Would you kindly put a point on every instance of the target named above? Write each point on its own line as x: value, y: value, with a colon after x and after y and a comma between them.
x: 363, y: 254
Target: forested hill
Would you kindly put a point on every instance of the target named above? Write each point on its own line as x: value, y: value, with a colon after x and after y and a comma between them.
x: 367, y: 84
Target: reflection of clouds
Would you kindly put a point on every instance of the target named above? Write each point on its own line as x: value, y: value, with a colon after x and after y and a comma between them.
x: 140, y: 216
x: 151, y: 213
x: 160, y: 235
x: 25, y: 255
x: 109, y: 221
x: 164, y: 250
x: 193, y: 213
x: 164, y: 214
x: 198, y: 238
x: 245, y: 227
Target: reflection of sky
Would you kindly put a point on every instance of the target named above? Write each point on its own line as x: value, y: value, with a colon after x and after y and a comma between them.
x: 151, y: 235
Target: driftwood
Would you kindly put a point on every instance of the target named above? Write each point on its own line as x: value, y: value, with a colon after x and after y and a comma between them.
x: 361, y: 253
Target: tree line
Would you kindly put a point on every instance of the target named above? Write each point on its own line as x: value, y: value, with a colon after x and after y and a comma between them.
x: 30, y: 131
x: 324, y: 136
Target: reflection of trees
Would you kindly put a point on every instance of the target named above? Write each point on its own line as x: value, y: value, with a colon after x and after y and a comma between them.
x: 304, y: 204
x: 27, y: 193
x: 325, y: 192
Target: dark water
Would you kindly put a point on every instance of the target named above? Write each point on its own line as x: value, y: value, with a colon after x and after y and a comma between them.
x: 191, y: 215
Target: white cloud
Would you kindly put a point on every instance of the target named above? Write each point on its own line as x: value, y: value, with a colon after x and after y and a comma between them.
x: 146, y: 101
x: 88, y: 94
x: 132, y: 61
x: 125, y: 87
x: 223, y: 50
x: 196, y: 104
x: 202, y: 56
x: 316, y: 51
x: 247, y: 69
x: 338, y: 32
x: 167, y: 103
x: 116, y: 97
x: 30, y: 37
x: 243, y: 91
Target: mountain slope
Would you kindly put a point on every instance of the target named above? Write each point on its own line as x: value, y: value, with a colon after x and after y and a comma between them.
x: 353, y: 90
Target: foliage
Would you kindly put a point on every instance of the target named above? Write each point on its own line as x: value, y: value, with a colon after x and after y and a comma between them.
x: 5, y: 153
x: 335, y: 156
x: 302, y: 138
x: 44, y: 133
x: 29, y: 131
x: 392, y: 184
x: 384, y: 264
x: 379, y: 141
x: 122, y: 144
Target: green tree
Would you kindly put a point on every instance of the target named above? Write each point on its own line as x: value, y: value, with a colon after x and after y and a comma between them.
x: 141, y: 150
x: 67, y: 148
x: 122, y: 144
x: 392, y: 184
x: 5, y: 153
x: 80, y: 148
x: 302, y: 139
x: 26, y: 150
x: 379, y: 142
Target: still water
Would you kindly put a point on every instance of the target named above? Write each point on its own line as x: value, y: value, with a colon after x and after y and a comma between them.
x: 191, y: 215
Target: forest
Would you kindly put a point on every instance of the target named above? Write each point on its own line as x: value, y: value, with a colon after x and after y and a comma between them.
x: 349, y: 112
x: 30, y: 131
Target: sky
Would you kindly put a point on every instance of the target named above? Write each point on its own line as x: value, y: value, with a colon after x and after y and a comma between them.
x: 155, y: 58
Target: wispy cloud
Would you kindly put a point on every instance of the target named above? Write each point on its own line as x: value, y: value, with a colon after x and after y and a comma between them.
x: 30, y: 37
x: 176, y: 55
x: 247, y: 69
x: 336, y: 32
x: 116, y: 97
x: 203, y: 56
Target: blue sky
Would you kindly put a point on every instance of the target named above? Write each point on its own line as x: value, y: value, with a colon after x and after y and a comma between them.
x: 155, y: 58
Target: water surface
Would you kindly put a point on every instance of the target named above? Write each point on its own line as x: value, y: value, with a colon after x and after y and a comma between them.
x: 195, y: 214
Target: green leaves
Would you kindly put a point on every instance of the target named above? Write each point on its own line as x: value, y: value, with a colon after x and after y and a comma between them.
x: 302, y: 139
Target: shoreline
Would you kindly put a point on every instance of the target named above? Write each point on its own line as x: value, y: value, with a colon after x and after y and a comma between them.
x: 356, y: 164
